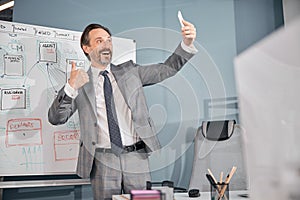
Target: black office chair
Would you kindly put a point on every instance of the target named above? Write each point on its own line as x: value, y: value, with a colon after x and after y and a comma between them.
x: 219, y: 147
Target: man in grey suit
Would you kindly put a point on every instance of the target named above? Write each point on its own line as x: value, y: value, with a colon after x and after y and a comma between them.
x: 115, y: 172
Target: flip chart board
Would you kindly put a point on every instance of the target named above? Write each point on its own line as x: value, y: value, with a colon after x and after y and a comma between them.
x: 35, y: 62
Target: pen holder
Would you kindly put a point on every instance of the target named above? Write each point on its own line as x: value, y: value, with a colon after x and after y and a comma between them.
x: 219, y: 191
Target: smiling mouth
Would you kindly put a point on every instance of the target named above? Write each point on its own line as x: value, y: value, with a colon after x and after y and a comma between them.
x: 105, y: 53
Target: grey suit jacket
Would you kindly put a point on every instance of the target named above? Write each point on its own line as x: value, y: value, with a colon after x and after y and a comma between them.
x: 130, y: 78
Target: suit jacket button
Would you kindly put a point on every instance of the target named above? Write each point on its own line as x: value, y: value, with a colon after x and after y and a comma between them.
x: 95, y: 124
x: 93, y: 143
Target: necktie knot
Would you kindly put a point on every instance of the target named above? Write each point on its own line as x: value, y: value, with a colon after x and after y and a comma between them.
x: 104, y: 73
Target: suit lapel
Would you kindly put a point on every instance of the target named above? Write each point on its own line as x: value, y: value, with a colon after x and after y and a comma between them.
x: 114, y: 71
x: 89, y: 91
x: 119, y: 77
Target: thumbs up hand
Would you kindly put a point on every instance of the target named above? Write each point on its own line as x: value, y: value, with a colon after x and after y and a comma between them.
x: 78, y: 77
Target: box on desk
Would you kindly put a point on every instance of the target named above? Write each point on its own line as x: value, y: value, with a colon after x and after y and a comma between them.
x: 141, y: 195
x: 146, y: 195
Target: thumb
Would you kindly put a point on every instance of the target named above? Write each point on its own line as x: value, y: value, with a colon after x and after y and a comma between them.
x: 186, y: 23
x: 73, y: 66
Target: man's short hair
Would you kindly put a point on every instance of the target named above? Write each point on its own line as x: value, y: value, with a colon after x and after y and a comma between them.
x: 85, y: 40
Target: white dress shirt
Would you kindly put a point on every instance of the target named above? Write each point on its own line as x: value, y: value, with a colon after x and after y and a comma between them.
x: 128, y: 134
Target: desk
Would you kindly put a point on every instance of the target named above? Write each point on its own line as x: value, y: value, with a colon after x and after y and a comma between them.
x: 43, y: 183
x: 233, y: 195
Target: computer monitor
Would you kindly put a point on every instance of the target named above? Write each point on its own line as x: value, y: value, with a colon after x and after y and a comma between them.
x: 268, y: 87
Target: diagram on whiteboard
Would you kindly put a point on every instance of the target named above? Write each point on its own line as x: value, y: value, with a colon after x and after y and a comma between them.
x: 35, y: 63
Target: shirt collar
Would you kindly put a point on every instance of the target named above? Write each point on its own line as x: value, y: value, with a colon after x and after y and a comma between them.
x: 96, y: 71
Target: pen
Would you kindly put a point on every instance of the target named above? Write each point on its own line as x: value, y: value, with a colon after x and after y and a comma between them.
x: 211, y: 174
x: 221, y: 177
x: 211, y: 181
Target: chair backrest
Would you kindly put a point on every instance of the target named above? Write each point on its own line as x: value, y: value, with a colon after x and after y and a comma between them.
x: 219, y: 147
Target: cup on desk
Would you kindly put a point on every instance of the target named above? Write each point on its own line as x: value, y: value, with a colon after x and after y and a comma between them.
x: 219, y: 191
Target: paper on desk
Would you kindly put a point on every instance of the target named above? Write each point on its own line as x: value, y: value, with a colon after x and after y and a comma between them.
x: 121, y: 197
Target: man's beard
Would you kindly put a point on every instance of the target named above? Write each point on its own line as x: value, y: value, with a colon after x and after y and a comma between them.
x: 104, y: 57
x: 101, y: 57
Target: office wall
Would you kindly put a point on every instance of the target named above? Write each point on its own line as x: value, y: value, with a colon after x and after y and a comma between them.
x: 220, y: 37
x: 256, y: 19
x: 214, y: 20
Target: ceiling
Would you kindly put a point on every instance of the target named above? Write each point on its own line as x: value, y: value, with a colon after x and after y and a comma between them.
x: 6, y: 14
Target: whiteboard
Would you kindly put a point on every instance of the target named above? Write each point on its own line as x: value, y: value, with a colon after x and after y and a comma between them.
x: 34, y: 64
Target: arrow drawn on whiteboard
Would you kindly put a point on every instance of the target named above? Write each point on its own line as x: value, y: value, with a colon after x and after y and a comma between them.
x: 55, y: 90
x: 2, y: 49
x: 53, y: 75
x: 29, y: 73
x: 6, y: 53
